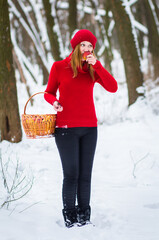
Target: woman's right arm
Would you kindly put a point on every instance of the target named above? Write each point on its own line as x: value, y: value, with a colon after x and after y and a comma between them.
x: 104, y: 78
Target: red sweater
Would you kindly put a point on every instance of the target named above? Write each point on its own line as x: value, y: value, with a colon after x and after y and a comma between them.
x: 76, y: 94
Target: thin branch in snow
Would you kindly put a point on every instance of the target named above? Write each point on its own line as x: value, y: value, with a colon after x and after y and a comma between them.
x: 12, y: 210
x: 3, y: 173
x: 16, y: 199
x: 16, y: 187
x: 29, y: 206
x: 136, y: 163
x: 15, y: 176
x: 25, y: 186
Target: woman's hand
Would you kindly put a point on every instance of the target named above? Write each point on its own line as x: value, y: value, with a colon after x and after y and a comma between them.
x: 91, y: 59
x: 57, y: 106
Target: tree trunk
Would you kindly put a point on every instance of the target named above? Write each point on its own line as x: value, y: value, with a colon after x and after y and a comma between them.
x: 128, y: 50
x: 50, y: 23
x: 10, y: 127
x: 140, y: 17
x: 108, y: 51
x: 153, y: 37
x: 156, y: 5
x: 72, y: 16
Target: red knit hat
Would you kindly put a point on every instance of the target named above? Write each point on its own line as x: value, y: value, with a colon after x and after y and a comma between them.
x: 83, y: 35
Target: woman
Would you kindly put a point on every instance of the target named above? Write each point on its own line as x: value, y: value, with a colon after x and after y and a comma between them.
x: 76, y: 124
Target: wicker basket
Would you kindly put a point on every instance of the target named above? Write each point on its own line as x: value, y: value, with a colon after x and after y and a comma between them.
x: 38, y: 125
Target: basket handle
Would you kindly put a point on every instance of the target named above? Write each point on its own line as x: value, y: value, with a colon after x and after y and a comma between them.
x: 30, y: 98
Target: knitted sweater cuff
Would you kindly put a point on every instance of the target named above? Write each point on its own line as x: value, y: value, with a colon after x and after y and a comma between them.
x: 97, y: 65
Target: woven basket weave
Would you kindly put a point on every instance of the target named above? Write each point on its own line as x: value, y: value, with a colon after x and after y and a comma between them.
x: 38, y: 125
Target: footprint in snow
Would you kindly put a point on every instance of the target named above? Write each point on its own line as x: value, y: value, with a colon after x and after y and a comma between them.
x: 152, y: 206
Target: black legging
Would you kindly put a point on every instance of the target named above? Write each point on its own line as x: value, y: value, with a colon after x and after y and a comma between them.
x: 76, y: 148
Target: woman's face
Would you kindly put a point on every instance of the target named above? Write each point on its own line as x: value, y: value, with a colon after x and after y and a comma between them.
x: 86, y: 46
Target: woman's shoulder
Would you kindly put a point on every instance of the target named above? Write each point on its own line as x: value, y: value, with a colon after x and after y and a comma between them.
x: 60, y: 64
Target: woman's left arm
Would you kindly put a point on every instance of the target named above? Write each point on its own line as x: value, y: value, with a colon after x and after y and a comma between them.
x: 103, y: 77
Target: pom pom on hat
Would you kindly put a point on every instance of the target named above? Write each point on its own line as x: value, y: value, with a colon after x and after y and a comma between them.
x: 83, y: 35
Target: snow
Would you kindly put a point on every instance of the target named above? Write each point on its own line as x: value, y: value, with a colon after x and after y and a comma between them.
x: 140, y: 26
x: 123, y: 207
x: 89, y: 10
x: 111, y: 27
x: 125, y: 181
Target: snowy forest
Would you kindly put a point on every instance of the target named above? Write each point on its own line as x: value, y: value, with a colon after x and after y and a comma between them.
x: 125, y: 197
x: 41, y: 33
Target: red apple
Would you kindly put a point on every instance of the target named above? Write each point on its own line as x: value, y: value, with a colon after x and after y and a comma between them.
x: 85, y: 54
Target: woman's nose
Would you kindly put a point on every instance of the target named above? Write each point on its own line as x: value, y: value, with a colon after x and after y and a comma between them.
x: 86, y: 49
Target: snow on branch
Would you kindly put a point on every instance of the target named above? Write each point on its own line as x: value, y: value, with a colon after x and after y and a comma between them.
x: 154, y: 14
x: 64, y: 6
x: 27, y: 28
x: 136, y: 24
x: 126, y: 4
x: 31, y: 25
x: 57, y: 30
x: 131, y: 2
x: 98, y: 17
x: 140, y: 27
x: 37, y: 7
x: 25, y: 64
x: 111, y: 27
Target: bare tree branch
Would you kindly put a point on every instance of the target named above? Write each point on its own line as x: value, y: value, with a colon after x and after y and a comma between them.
x: 136, y: 163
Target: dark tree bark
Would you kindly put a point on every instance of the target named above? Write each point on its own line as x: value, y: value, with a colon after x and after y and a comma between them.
x: 153, y: 37
x: 156, y: 5
x: 72, y: 16
x: 129, y: 54
x: 10, y: 128
x: 108, y: 51
x: 50, y: 23
x: 140, y: 17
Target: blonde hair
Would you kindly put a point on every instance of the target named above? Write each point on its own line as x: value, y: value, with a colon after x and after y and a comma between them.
x: 76, y: 62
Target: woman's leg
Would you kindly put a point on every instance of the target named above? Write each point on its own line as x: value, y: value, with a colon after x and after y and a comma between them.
x: 87, y: 150
x: 68, y: 145
x: 76, y: 148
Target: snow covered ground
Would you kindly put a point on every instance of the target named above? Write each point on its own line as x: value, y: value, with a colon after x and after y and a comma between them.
x: 125, y: 196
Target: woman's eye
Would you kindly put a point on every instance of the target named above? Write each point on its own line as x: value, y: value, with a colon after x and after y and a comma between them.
x: 90, y: 46
x: 82, y: 45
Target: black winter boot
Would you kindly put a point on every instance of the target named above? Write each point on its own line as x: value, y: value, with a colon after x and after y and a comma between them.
x: 70, y: 217
x: 83, y: 215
